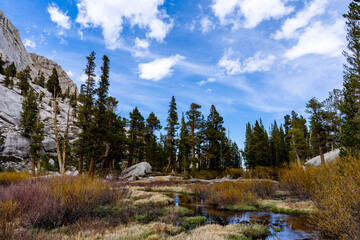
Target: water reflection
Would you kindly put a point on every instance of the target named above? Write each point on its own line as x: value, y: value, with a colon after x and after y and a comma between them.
x: 282, y: 226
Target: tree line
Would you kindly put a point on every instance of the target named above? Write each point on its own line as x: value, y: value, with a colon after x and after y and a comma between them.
x: 107, y: 141
x: 333, y: 123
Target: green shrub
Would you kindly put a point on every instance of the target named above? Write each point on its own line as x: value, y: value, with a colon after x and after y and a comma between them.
x: 193, y: 222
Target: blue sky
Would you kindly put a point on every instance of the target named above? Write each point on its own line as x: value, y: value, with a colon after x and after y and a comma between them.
x: 251, y: 58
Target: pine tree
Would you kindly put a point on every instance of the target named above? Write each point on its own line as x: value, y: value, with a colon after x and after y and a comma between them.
x: 10, y: 73
x: 36, y: 141
x: 317, y: 126
x: 248, y: 152
x: 260, y: 141
x: 333, y: 119
x: 115, y: 139
x: 53, y: 85
x: 41, y: 79
x: 152, y: 125
x: 350, y: 107
x: 215, y: 137
x: 171, y: 128
x: 24, y: 78
x: 194, y: 122
x: 30, y: 125
x: 298, y: 137
x: 137, y: 132
x: 85, y: 113
x: 99, y: 127
x: 184, y: 145
x: 2, y: 64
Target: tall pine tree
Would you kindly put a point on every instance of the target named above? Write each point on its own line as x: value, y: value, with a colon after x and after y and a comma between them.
x: 171, y: 128
x: 350, y: 136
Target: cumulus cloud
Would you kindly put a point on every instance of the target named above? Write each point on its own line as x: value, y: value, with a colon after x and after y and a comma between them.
x: 70, y: 73
x: 58, y: 17
x: 253, y: 11
x: 206, y: 25
x: 141, y: 47
x: 159, y: 68
x: 320, y: 39
x: 110, y: 15
x: 258, y: 63
x: 301, y: 19
x: 209, y: 80
x: 29, y: 43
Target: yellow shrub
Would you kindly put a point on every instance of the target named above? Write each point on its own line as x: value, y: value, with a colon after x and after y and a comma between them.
x: 337, y: 197
x: 299, y: 181
x: 233, y: 172
x: 8, y: 212
x: 200, y: 189
x: 8, y: 177
x: 262, y: 173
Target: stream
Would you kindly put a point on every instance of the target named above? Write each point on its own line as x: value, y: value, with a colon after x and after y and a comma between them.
x: 282, y: 226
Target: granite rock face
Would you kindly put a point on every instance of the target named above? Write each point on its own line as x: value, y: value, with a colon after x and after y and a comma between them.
x: 13, y: 50
x: 138, y: 170
x: 11, y: 46
x: 46, y: 65
x: 16, y: 146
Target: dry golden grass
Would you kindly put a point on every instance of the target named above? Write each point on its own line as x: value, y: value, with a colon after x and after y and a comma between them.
x: 8, y: 212
x: 9, y: 177
x: 209, y: 232
x: 240, y: 193
x: 143, y: 197
x: 130, y: 232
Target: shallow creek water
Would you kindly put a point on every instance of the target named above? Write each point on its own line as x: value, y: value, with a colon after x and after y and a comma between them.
x: 282, y: 226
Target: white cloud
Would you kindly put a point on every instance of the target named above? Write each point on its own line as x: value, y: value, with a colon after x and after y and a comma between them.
x: 29, y: 43
x: 70, y: 73
x: 110, y: 15
x: 301, y: 19
x: 159, y: 68
x: 60, y: 18
x: 206, y: 25
x: 209, y: 80
x: 253, y: 11
x: 202, y: 82
x: 320, y: 39
x: 82, y: 78
x: 257, y: 63
x: 141, y: 47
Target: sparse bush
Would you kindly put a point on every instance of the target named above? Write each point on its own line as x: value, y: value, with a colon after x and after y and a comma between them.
x: 233, y: 172
x: 262, y: 173
x: 231, y: 193
x: 205, y: 174
x: 200, y: 190
x: 9, y: 210
x: 337, y: 198
x: 240, y: 193
x: 55, y: 201
x: 6, y: 178
x: 299, y: 182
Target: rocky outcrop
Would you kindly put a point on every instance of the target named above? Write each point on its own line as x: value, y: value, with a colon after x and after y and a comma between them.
x: 13, y: 50
x: 329, y: 157
x: 138, y: 170
x: 45, y: 65
x: 17, y: 145
x: 11, y: 47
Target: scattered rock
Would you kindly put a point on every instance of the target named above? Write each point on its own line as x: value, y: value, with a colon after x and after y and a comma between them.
x: 329, y: 157
x: 138, y: 170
